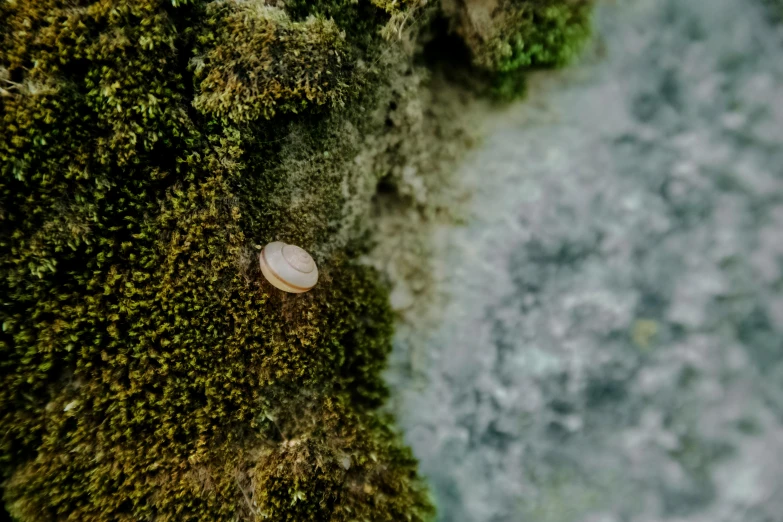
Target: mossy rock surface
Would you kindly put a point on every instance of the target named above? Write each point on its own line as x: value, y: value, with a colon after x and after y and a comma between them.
x: 507, y: 38
x: 148, y: 371
x: 148, y: 149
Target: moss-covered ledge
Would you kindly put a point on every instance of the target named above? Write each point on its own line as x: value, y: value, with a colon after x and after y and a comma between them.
x: 148, y: 149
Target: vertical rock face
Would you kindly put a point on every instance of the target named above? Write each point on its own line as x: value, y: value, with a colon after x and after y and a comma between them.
x: 148, y: 371
x: 611, y: 348
x: 148, y: 149
x: 506, y: 37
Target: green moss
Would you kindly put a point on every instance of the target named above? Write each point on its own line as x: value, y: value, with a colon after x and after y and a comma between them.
x: 775, y: 9
x: 508, y: 37
x: 147, y: 149
x: 141, y: 347
x: 508, y: 86
x: 536, y: 34
x: 253, y: 61
x: 361, y: 20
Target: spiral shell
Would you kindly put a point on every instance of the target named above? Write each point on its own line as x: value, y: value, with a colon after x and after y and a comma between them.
x: 288, y: 267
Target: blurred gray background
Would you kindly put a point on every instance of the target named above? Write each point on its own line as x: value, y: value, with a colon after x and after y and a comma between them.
x: 611, y: 345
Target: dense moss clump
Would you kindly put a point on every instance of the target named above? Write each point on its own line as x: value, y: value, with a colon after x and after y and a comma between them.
x: 775, y: 9
x: 330, y: 483
x: 147, y: 149
x: 142, y: 354
x: 257, y: 62
x: 507, y: 37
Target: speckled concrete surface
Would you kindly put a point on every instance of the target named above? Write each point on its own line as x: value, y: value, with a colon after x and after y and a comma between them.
x: 611, y: 348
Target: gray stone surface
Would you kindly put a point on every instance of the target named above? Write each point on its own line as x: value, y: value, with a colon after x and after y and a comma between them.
x: 611, y: 345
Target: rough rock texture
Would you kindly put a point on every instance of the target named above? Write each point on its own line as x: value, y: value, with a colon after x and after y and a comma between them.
x: 610, y: 346
x: 148, y: 149
x: 147, y: 370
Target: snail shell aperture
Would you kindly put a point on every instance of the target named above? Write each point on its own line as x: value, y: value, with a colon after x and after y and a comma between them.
x: 288, y: 267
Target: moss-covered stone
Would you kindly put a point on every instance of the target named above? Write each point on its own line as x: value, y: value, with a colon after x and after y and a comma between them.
x: 316, y: 472
x: 507, y: 37
x: 142, y: 163
x: 148, y: 148
x: 254, y: 61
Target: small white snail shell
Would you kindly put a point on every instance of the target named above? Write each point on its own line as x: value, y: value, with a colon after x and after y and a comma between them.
x: 288, y: 267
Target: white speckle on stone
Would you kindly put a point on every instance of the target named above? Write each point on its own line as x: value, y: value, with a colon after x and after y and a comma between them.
x: 345, y: 462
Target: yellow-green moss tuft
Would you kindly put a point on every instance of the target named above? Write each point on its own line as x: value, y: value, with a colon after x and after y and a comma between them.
x: 335, y: 464
x: 140, y: 346
x: 148, y: 149
x: 508, y: 37
x: 253, y: 61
